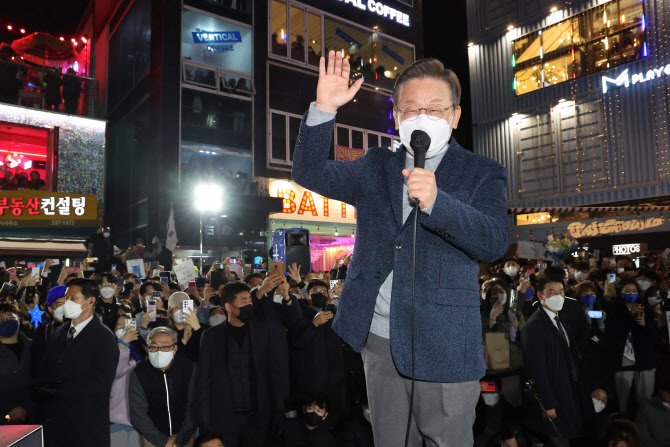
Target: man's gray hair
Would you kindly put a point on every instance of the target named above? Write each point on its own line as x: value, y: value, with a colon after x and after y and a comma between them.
x: 428, y: 68
x: 162, y: 330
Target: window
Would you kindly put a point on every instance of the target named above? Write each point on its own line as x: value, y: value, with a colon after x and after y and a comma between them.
x: 354, y: 138
x: 303, y: 36
x: 285, y: 127
x: 198, y: 165
x: 214, y: 121
x: 598, y: 39
x: 129, y: 50
x: 239, y: 10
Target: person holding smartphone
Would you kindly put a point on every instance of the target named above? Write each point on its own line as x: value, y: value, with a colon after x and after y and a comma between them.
x: 633, y: 331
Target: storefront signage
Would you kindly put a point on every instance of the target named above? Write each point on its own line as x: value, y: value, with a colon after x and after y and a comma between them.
x: 627, y: 249
x: 47, y: 209
x: 625, y: 79
x: 216, y: 37
x: 304, y: 205
x: 380, y: 9
x: 613, y: 226
x: 347, y: 153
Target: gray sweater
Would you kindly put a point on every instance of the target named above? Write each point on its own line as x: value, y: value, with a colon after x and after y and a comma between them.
x: 380, y: 321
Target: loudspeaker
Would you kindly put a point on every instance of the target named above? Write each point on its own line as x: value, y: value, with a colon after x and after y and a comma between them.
x: 292, y: 245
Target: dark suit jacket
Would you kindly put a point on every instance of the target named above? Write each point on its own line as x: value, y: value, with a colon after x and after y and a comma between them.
x: 213, y: 403
x: 547, y: 360
x: 468, y: 223
x: 619, y: 323
x: 15, y: 378
x: 85, y: 367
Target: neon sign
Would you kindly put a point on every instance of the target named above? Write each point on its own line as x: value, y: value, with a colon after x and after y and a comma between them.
x: 381, y: 10
x: 625, y: 79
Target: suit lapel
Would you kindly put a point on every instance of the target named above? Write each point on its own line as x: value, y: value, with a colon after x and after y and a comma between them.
x: 553, y: 327
x: 395, y: 179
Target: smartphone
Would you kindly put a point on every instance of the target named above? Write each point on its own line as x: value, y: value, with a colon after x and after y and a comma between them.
x: 487, y: 387
x: 611, y: 277
x: 187, y: 306
x: 113, y: 267
x: 596, y: 313
x: 151, y: 307
x: 131, y: 324
x: 329, y: 308
x: 154, y: 264
x: 234, y: 261
x: 119, y: 282
x: 333, y: 283
x: 191, y: 285
x: 178, y: 261
x: 55, y: 262
x: 74, y: 269
x: 91, y: 260
x: 277, y: 268
x: 8, y: 286
x: 138, y: 281
x: 155, y: 273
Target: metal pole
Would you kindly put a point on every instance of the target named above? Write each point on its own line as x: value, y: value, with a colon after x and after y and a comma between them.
x: 200, y: 268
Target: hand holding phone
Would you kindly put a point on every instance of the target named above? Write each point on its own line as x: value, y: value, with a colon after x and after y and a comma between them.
x: 187, y: 306
x: 611, y: 277
x: 131, y: 324
x: 151, y: 309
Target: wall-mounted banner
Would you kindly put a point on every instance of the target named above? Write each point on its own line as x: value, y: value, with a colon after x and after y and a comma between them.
x: 645, y: 223
x: 303, y: 204
x: 348, y: 154
x: 29, y: 208
x: 380, y: 9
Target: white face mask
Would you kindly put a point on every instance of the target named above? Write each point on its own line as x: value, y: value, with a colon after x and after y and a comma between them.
x: 105, y: 234
x: 599, y: 406
x: 72, y: 310
x: 120, y: 333
x: 160, y: 359
x: 178, y: 317
x: 59, y: 314
x: 555, y: 302
x: 439, y: 132
x: 581, y: 276
x: 107, y: 292
x: 511, y: 271
x: 502, y: 298
x: 366, y: 415
x: 644, y: 284
x: 491, y: 399
x: 216, y: 320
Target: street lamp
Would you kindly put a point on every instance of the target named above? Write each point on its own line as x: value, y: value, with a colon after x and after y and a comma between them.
x: 208, y: 199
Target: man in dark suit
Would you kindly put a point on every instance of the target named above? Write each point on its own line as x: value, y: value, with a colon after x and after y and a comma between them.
x: 462, y: 219
x: 241, y: 384
x: 80, y: 364
x: 101, y: 246
x: 551, y: 361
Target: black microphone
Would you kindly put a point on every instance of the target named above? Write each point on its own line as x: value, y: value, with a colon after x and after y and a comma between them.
x: 420, y: 142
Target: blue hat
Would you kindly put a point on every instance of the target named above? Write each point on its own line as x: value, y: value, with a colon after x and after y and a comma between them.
x: 55, y: 293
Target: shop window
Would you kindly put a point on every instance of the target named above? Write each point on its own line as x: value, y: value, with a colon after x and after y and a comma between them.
x: 278, y: 138
x: 215, y: 121
x: 601, y: 38
x: 314, y: 39
x: 373, y: 140
x: 239, y: 10
x: 27, y: 157
x: 357, y: 139
x: 279, y: 29
x: 209, y: 165
x: 293, y: 129
x: 297, y: 34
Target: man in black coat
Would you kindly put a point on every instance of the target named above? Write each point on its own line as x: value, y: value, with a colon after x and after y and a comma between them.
x: 551, y: 361
x: 15, y: 402
x: 241, y: 384
x: 80, y: 365
x: 101, y: 246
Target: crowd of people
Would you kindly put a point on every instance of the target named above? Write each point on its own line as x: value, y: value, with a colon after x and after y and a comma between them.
x: 577, y: 355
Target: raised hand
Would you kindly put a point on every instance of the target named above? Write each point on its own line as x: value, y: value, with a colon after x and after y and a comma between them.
x: 333, y: 89
x: 294, y: 272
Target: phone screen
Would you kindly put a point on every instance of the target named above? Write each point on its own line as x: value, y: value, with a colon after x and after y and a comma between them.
x: 191, y: 284
x: 131, y: 324
x: 119, y: 282
x: 595, y: 314
x: 487, y: 387
x: 165, y: 280
x: 611, y: 277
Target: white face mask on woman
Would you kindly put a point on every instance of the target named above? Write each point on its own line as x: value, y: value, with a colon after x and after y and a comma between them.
x: 439, y: 131
x: 107, y: 292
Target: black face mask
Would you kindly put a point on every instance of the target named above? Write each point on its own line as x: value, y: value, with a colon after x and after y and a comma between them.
x: 312, y: 419
x: 246, y: 313
x: 319, y: 300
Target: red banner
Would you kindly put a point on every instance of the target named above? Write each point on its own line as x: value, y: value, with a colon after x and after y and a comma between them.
x: 348, y: 154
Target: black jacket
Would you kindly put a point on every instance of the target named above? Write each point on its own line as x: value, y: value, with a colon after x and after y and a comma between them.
x: 148, y: 393
x: 85, y: 368
x: 213, y: 403
x: 38, y: 347
x: 547, y: 359
x: 619, y: 323
x: 15, y: 379
x: 297, y: 434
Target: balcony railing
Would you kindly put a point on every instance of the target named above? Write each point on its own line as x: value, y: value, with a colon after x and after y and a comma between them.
x: 47, y: 89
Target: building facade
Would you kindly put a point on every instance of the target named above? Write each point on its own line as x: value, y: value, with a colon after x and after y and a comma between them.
x: 572, y: 98
x: 213, y: 91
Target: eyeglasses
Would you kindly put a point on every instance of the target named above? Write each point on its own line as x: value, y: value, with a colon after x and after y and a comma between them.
x: 433, y: 111
x: 161, y: 348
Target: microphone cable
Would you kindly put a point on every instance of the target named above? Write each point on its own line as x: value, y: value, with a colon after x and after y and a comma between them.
x: 415, y: 205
